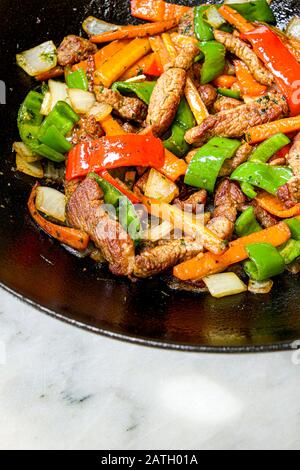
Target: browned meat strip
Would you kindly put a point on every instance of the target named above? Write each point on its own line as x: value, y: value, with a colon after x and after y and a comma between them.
x: 87, y: 129
x: 208, y: 94
x: 241, y: 157
x: 228, y: 198
x: 73, y: 49
x: 91, y: 67
x: 132, y: 109
x: 264, y: 218
x: 153, y: 261
x: 290, y: 192
x: 185, y: 58
x: 84, y: 212
x: 235, y: 122
x: 165, y: 100
x: 191, y: 204
x: 244, y: 52
x: 186, y: 24
x: 224, y: 104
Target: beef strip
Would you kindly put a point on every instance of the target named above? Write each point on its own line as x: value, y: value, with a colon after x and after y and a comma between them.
x: 208, y: 94
x: 264, y: 218
x: 225, y: 104
x: 185, y: 59
x: 290, y: 192
x: 132, y: 109
x: 240, y: 157
x: 87, y: 129
x: 155, y: 260
x: 244, y: 52
x: 192, y: 203
x: 228, y: 199
x: 165, y: 100
x: 74, y: 49
x: 186, y: 24
x: 84, y: 212
x: 235, y: 122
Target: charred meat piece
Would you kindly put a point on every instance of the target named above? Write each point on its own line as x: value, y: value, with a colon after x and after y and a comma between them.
x: 225, y: 104
x: 235, y: 122
x: 186, y: 24
x: 132, y: 109
x: 155, y: 260
x: 185, y: 58
x: 208, y: 94
x: 165, y: 100
x: 290, y: 192
x: 241, y: 157
x: 192, y: 203
x: 87, y: 129
x: 228, y: 199
x: 244, y: 52
x: 74, y: 49
x: 91, y: 67
x: 84, y: 212
x: 264, y: 218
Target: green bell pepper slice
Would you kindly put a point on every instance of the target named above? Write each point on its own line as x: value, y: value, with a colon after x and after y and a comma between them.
x: 203, y: 30
x: 256, y: 10
x: 290, y: 251
x: 127, y: 214
x: 294, y: 226
x: 248, y: 190
x: 77, y: 79
x: 269, y: 147
x: 269, y: 178
x: 142, y: 90
x: 55, y: 139
x: 184, y: 120
x: 229, y: 93
x: 214, y: 61
x: 205, y: 166
x: 247, y: 224
x: 62, y: 117
x: 265, y: 261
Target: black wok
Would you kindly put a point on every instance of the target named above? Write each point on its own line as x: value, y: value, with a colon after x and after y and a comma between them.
x: 41, y: 272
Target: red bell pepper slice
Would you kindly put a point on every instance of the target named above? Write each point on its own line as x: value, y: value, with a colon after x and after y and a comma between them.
x: 278, y: 59
x: 115, y: 152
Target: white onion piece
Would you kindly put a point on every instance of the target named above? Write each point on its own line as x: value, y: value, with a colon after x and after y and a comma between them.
x: 51, y: 202
x: 137, y: 79
x: 54, y: 173
x: 93, y: 26
x: 81, y: 101
x: 100, y: 111
x: 39, y: 59
x: 58, y: 91
x: 224, y: 284
x: 25, y: 152
x: 256, y: 287
x: 33, y: 169
x: 46, y: 104
x: 293, y: 28
x: 160, y: 232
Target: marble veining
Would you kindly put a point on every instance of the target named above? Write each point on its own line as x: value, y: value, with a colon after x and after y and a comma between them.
x: 63, y: 388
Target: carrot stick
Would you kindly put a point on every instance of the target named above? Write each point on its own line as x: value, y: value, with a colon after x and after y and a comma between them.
x: 195, y: 101
x: 53, y: 73
x: 140, y: 31
x: 275, y: 207
x: 114, y: 67
x: 249, y: 86
x: 224, y: 81
x: 174, y: 167
x: 185, y: 222
x: 157, y: 46
x: 259, y: 133
x: 236, y: 19
x: 169, y: 45
x: 81, y: 65
x: 208, y: 264
x: 69, y: 236
x: 180, y: 40
x: 111, y: 127
x: 156, y: 10
x: 149, y: 65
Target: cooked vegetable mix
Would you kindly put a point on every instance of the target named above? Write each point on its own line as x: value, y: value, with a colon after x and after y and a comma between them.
x: 176, y: 141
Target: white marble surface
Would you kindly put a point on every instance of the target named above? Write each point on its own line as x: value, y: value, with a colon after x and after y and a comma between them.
x: 62, y: 388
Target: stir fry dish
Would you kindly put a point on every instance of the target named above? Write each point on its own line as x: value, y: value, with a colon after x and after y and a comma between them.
x: 170, y: 148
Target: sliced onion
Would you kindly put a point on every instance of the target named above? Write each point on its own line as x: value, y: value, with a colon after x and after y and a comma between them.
x: 93, y: 26
x: 46, y: 104
x: 51, y: 202
x: 34, y: 169
x: 214, y: 18
x: 256, y: 287
x: 39, y: 59
x: 160, y: 232
x: 25, y: 152
x: 137, y: 79
x: 224, y: 284
x: 100, y: 111
x: 293, y: 28
x: 81, y: 101
x: 161, y: 188
x: 58, y: 91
